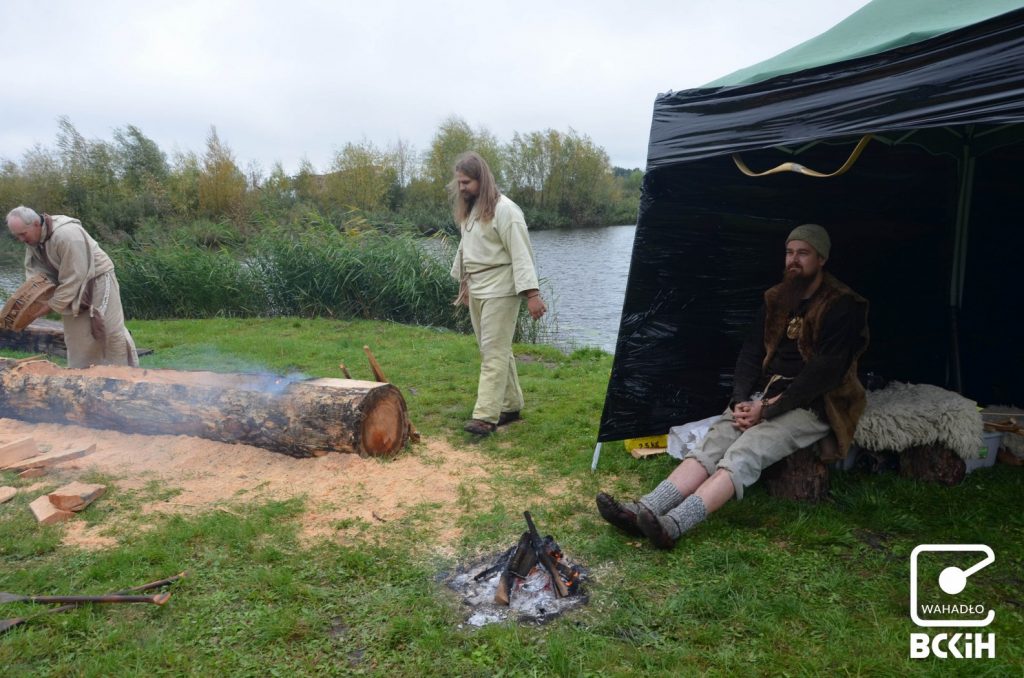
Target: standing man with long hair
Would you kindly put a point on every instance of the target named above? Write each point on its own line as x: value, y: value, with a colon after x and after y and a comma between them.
x: 495, y: 268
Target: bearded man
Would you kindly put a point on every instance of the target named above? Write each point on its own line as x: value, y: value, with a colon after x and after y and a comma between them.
x: 795, y: 383
x: 494, y: 265
x: 87, y: 294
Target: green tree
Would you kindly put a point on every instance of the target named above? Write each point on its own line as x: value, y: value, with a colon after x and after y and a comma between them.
x: 221, y: 184
x: 561, y: 178
x: 309, y: 186
x: 455, y: 136
x: 38, y: 182
x: 143, y: 171
x: 93, y: 192
x: 361, y: 176
x: 183, y: 185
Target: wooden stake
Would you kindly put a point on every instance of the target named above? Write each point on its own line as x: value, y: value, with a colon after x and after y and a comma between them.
x: 344, y: 370
x: 378, y: 373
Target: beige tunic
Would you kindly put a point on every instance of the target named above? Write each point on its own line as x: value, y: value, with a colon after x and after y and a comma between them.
x: 70, y: 258
x: 503, y: 242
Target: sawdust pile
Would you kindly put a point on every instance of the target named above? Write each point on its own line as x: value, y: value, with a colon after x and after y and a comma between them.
x: 345, y: 494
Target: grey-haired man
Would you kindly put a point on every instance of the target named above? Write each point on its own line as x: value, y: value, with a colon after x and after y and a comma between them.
x: 87, y: 294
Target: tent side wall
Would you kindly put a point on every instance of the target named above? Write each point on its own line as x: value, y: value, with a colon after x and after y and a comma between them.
x: 709, y: 240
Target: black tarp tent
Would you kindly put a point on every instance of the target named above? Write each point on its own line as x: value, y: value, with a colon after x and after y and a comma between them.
x: 924, y: 224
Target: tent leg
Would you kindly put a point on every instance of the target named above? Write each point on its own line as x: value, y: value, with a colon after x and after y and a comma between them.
x: 954, y: 335
x: 597, y: 455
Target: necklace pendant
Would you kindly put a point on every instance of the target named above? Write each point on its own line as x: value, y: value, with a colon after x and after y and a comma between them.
x: 793, y: 328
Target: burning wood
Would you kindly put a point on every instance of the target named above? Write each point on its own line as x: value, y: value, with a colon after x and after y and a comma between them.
x: 532, y: 580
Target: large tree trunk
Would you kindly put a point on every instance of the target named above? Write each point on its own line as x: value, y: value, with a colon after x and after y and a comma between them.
x: 297, y: 417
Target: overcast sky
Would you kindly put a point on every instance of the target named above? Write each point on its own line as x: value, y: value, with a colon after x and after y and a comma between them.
x: 290, y: 79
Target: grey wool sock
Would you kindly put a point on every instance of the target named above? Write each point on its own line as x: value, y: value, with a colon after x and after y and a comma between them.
x: 662, y: 499
x: 684, y: 517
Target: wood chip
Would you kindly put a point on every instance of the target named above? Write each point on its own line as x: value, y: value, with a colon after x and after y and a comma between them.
x: 76, y: 496
x: 7, y: 493
x: 46, y: 513
x: 644, y: 452
x: 50, y: 458
x: 13, y: 450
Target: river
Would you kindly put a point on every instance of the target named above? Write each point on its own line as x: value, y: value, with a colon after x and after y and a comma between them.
x: 583, y: 277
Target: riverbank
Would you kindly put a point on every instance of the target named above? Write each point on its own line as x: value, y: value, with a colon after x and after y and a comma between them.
x: 764, y: 587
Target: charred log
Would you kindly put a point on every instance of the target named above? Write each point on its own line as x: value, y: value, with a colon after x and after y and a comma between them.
x: 298, y: 417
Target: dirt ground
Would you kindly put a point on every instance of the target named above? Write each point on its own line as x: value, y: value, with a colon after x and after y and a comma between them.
x: 345, y: 494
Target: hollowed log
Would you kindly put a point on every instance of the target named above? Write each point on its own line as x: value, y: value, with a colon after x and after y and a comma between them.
x: 298, y: 417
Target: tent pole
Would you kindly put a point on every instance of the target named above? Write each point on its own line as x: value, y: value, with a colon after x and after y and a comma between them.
x: 597, y: 455
x: 956, y: 283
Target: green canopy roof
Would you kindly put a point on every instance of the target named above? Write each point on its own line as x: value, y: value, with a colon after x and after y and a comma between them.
x: 878, y: 26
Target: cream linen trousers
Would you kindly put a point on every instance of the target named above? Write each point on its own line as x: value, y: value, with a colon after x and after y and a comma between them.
x: 494, y: 323
x: 118, y: 348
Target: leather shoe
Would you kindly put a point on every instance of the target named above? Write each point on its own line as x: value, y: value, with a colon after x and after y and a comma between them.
x: 508, y: 417
x: 652, y: 528
x: 616, y: 514
x: 479, y: 427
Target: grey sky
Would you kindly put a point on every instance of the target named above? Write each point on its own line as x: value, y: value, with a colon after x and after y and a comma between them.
x: 293, y: 78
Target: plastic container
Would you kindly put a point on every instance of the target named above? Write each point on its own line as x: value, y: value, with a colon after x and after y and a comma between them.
x: 987, y: 451
x: 645, y: 443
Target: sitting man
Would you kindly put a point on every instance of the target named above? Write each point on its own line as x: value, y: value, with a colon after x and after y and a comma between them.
x: 795, y: 381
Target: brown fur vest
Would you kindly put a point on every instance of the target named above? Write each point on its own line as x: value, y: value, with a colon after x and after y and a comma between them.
x: 845, y: 403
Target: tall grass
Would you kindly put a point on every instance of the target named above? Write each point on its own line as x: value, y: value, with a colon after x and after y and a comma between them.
x: 186, y: 282
x: 314, y: 272
x: 360, y: 275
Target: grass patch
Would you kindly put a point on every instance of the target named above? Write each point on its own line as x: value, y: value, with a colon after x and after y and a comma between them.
x: 765, y: 587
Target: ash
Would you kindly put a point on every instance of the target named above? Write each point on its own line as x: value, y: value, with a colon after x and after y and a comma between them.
x: 531, y: 601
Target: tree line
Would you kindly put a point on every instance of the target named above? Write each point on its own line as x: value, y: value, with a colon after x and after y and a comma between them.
x: 120, y: 186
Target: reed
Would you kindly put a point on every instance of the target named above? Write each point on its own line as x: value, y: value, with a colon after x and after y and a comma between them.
x: 315, y: 272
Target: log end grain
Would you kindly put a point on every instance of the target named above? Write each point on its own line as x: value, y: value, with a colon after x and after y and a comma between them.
x: 385, y: 427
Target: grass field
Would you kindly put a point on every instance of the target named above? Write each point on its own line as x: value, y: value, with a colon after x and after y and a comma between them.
x: 764, y: 587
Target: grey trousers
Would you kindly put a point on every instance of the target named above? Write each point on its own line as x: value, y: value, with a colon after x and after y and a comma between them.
x: 745, y: 454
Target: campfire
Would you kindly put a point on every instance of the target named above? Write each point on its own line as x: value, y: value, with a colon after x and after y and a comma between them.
x: 532, y: 581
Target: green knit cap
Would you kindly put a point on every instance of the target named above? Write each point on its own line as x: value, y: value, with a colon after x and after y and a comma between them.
x: 815, y: 236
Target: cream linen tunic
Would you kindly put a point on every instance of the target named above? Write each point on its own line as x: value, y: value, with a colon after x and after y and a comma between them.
x: 503, y: 242
x: 71, y: 258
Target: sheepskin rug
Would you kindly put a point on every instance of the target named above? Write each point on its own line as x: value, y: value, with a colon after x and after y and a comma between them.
x: 905, y: 415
